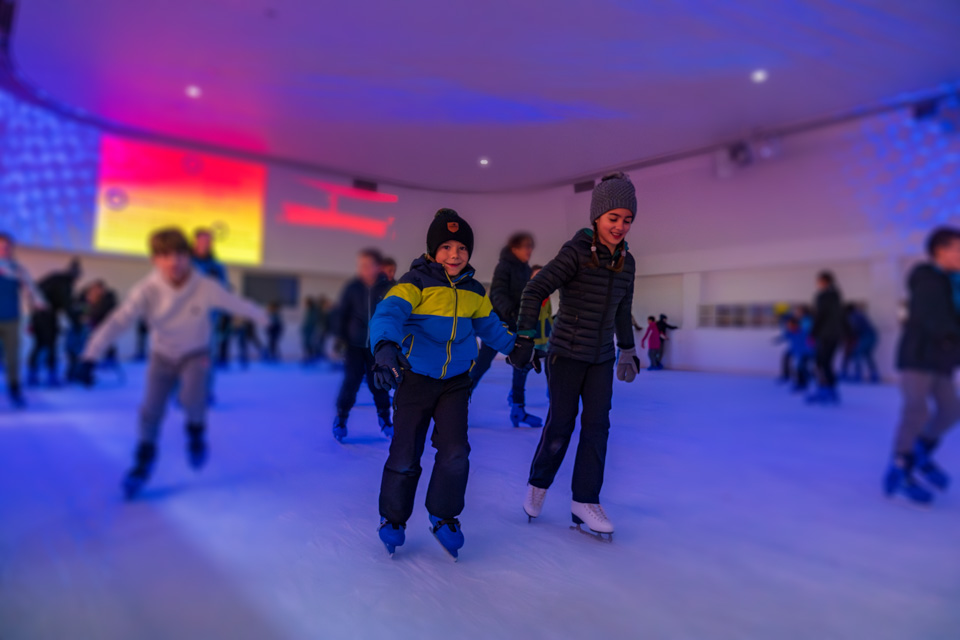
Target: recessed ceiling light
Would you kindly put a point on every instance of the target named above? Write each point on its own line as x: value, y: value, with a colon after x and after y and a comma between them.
x: 484, y: 161
x: 193, y: 91
x: 760, y: 75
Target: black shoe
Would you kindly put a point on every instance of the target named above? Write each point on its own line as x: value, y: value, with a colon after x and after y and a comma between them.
x: 16, y: 396
x: 196, y: 445
x: 137, y: 476
x: 340, y: 428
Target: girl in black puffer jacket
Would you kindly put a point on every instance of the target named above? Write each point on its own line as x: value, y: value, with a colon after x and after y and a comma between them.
x: 595, y: 275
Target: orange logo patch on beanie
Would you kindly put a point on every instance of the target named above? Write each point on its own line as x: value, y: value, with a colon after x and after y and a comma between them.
x: 453, y: 227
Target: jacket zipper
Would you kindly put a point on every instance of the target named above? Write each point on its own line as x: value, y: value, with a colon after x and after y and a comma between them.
x: 453, y: 334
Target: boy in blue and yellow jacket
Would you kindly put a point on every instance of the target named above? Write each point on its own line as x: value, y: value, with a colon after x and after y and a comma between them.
x: 424, y: 335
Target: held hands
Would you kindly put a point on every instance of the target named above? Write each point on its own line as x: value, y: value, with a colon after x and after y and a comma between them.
x: 628, y: 364
x: 524, y: 354
x: 390, y: 363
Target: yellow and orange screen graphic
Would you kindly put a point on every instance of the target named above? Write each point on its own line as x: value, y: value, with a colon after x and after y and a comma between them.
x: 145, y: 186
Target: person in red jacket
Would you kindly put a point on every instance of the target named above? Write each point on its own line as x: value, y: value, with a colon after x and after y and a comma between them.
x: 655, y: 344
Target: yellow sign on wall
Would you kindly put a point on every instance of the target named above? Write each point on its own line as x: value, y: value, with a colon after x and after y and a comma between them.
x: 145, y: 186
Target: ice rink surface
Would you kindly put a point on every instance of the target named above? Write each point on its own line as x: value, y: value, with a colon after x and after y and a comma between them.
x: 739, y: 512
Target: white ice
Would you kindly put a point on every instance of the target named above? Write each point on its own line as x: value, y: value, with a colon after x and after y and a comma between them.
x: 739, y: 514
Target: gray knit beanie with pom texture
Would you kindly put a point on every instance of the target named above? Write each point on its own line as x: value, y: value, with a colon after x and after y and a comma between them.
x: 615, y: 191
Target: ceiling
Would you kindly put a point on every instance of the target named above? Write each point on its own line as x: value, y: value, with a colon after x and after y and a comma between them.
x: 414, y: 93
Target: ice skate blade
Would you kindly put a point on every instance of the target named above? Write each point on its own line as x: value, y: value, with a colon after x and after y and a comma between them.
x: 452, y: 554
x: 596, y: 535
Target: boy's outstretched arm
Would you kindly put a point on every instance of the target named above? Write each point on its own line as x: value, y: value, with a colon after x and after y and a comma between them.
x: 235, y: 305
x: 487, y: 325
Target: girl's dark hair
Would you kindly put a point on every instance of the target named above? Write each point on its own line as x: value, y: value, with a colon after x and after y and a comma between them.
x: 827, y: 276
x: 519, y: 238
x: 621, y: 251
x: 651, y: 319
x: 940, y: 238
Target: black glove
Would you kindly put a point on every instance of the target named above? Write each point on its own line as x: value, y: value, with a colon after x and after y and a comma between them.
x: 524, y: 354
x: 390, y: 363
x: 85, y: 373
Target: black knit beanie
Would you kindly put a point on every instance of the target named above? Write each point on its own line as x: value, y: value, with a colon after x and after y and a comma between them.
x: 615, y: 191
x: 448, y: 225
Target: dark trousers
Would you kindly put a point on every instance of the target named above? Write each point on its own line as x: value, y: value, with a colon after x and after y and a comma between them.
x: 656, y: 357
x: 786, y: 361
x: 418, y: 400
x: 570, y: 381
x: 802, y: 378
x: 45, y: 335
x: 482, y: 365
x: 357, y: 365
x: 824, y: 356
x: 273, y: 342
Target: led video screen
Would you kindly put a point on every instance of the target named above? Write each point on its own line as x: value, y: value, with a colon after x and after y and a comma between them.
x: 144, y: 186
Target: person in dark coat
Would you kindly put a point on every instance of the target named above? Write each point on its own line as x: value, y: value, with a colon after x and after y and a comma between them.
x: 509, y: 279
x: 595, y: 274
x: 358, y: 302
x: 827, y: 333
x: 205, y: 261
x: 57, y: 289
x: 928, y: 355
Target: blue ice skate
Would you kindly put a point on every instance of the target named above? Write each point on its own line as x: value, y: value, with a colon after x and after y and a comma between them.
x: 448, y: 534
x: 929, y: 470
x: 519, y: 416
x: 140, y: 473
x: 392, y: 535
x: 340, y: 428
x: 386, y: 427
x: 824, y: 395
x: 899, y: 483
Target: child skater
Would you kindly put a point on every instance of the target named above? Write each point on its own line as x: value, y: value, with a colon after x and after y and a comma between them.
x: 509, y: 278
x: 176, y: 300
x: 656, y: 344
x: 929, y: 354
x: 14, y: 280
x: 424, y: 335
x: 594, y: 273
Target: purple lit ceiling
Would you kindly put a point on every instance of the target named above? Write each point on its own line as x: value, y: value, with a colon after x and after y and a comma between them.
x: 416, y: 92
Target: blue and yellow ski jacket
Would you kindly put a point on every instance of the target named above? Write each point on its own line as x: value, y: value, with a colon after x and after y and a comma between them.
x: 436, y: 320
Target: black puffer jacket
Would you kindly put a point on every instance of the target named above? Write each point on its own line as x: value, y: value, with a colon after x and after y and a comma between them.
x: 828, y: 321
x: 595, y: 302
x: 931, y: 336
x: 358, y: 302
x: 509, y: 279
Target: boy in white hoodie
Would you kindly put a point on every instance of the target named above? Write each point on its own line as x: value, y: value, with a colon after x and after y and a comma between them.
x: 175, y: 300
